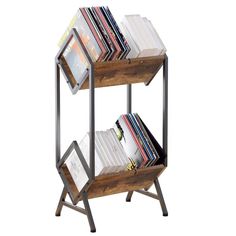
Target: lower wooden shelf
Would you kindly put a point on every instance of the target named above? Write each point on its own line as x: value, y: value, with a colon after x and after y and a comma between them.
x: 113, y: 183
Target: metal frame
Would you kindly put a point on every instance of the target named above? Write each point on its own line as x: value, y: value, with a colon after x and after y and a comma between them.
x: 62, y: 202
x: 86, y: 210
x: 159, y: 195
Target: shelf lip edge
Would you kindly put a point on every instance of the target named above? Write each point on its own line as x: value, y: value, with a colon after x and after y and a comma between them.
x: 129, y: 60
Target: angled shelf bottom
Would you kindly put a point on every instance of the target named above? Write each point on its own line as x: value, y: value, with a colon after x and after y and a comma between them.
x: 114, y: 183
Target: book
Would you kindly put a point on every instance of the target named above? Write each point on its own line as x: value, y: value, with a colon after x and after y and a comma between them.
x: 109, y: 31
x: 137, y: 141
x: 142, y: 37
x: 147, y: 138
x: 104, y: 34
x: 118, y: 145
x: 88, y: 18
x: 115, y: 32
x: 157, y: 40
x: 149, y: 155
x: 84, y: 146
x: 157, y: 147
x: 134, y: 49
x: 120, y: 33
x: 129, y: 145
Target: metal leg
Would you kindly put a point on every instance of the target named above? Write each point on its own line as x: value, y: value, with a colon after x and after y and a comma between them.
x: 129, y: 98
x: 129, y: 110
x: 129, y: 196
x: 91, y: 123
x: 58, y: 124
x: 165, y: 109
x: 60, y: 203
x: 88, y: 212
x: 160, y: 197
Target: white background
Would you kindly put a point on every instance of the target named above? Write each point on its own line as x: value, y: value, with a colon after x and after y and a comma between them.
x: 199, y: 184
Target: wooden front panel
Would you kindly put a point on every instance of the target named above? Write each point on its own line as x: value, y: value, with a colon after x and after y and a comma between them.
x: 126, y: 71
x: 124, y: 181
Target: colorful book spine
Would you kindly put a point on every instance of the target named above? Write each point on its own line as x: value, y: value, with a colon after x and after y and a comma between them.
x: 144, y: 156
x: 118, y: 50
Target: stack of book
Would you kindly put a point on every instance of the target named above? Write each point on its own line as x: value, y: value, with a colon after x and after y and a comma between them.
x: 104, y: 40
x: 128, y: 145
x: 142, y: 37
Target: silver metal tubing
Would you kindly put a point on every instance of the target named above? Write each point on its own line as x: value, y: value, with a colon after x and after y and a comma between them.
x: 60, y: 203
x: 161, y: 198
x: 152, y: 195
x: 76, y: 208
x: 129, y: 98
x: 58, y: 123
x: 91, y: 122
x: 88, y: 212
x: 165, y: 109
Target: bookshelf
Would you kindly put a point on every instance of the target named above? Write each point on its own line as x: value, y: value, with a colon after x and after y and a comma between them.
x: 103, y: 74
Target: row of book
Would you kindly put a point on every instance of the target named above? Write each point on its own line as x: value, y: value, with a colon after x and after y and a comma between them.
x: 142, y: 37
x: 104, y: 40
x: 126, y: 146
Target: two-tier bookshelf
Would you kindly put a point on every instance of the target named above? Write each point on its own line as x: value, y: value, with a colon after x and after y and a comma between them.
x: 103, y: 74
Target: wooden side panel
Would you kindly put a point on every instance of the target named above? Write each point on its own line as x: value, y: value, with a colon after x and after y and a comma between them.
x: 67, y: 72
x: 126, y: 71
x: 124, y: 181
x: 69, y: 184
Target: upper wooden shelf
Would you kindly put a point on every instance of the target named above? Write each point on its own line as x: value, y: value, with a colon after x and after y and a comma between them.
x: 120, y: 72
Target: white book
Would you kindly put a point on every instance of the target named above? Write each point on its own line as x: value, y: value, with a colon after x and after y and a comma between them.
x: 101, y: 156
x: 127, y: 141
x: 159, y: 43
x: 123, y: 155
x: 103, y: 146
x: 140, y: 34
x: 84, y: 147
x: 112, y: 155
x: 131, y: 24
x: 143, y: 34
x: 101, y: 165
x: 116, y: 151
x: 115, y: 148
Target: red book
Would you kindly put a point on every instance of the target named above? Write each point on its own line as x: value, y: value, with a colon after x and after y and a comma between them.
x: 110, y: 33
x: 102, y: 47
x: 144, y: 156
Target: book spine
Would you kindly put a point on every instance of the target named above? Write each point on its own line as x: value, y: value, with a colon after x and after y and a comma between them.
x: 142, y: 140
x: 104, y: 33
x: 121, y: 34
x: 154, y: 151
x: 136, y: 140
x: 110, y: 33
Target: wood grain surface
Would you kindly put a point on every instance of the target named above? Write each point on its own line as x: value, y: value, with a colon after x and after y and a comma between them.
x: 119, y: 72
